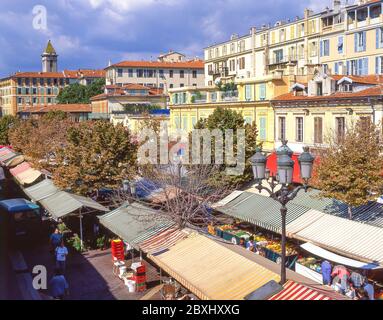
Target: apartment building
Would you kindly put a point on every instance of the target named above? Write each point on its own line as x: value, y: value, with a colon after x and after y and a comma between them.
x: 249, y: 98
x: 352, y: 38
x: 129, y: 98
x: 169, y: 71
x: 346, y: 39
x: 324, y: 108
x: 25, y: 90
x: 278, y: 50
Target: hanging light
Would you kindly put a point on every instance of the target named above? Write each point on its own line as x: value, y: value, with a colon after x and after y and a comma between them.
x: 258, y: 162
x: 306, y: 162
x: 285, y: 164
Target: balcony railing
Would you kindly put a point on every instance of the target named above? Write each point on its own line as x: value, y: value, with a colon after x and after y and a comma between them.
x: 229, y: 96
x: 286, y: 59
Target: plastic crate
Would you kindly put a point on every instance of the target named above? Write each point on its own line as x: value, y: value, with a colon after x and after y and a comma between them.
x: 139, y: 279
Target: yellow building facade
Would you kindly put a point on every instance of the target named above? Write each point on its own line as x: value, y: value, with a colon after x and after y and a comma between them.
x: 251, y: 99
x: 305, y: 118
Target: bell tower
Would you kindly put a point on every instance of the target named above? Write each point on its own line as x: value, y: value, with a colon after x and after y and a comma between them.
x: 49, y: 59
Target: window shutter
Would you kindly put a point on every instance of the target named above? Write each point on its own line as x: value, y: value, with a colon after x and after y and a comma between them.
x: 356, y: 42
x: 321, y: 48
x: 262, y: 128
x: 365, y: 66
x: 364, y: 40
x: 262, y: 93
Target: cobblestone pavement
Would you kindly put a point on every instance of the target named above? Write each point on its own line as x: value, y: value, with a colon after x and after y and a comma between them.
x: 90, y: 275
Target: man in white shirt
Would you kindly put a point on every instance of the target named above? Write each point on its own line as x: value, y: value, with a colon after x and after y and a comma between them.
x: 61, y: 254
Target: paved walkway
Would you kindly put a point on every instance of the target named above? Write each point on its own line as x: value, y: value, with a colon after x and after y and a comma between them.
x: 90, y: 276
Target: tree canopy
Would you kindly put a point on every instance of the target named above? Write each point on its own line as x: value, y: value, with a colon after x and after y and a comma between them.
x: 77, y: 93
x: 6, y: 123
x: 350, y: 169
x: 224, y: 119
x: 96, y: 155
x: 40, y: 139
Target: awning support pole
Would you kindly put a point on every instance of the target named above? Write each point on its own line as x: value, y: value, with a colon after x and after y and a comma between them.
x: 81, y: 235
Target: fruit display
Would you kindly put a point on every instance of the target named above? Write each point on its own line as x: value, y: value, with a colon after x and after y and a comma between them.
x: 276, y: 247
x: 312, y: 263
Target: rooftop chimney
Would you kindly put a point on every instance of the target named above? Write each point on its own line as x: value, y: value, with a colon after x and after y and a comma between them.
x: 336, y: 5
x: 308, y: 13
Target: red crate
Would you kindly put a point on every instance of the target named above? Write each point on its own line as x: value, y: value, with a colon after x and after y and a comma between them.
x: 140, y: 288
x: 139, y: 279
x: 141, y: 269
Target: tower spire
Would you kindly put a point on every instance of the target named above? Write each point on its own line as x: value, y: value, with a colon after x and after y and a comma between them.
x: 49, y: 58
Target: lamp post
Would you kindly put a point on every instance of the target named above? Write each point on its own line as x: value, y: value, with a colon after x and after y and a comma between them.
x: 284, y: 177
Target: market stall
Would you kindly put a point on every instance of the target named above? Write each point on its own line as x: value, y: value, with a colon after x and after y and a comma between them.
x: 268, y: 245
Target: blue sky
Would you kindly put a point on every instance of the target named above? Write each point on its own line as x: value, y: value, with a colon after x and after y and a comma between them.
x: 87, y: 33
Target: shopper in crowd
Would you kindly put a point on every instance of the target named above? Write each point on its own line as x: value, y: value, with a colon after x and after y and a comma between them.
x: 351, y: 292
x: 58, y: 286
x: 55, y: 239
x: 357, y: 279
x: 369, y: 288
x: 326, y: 272
x: 362, y: 294
x: 61, y: 254
x: 336, y: 285
x: 250, y: 245
x: 242, y: 242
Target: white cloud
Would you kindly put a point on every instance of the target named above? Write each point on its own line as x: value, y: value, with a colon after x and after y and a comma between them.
x: 130, y: 5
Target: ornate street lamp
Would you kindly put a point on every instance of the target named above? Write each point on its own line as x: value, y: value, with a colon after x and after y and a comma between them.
x: 284, y: 177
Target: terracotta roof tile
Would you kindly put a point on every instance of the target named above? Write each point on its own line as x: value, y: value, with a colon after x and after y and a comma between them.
x: 39, y: 75
x: 370, y: 79
x: 373, y: 91
x: 193, y: 64
x: 59, y: 107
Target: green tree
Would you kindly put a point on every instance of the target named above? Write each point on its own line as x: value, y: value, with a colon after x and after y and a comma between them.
x: 350, y: 169
x: 45, y: 136
x: 95, y: 88
x: 224, y: 119
x: 6, y: 123
x: 77, y: 93
x: 97, y: 154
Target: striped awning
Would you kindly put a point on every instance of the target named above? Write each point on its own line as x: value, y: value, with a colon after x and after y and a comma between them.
x: 261, y: 211
x: 210, y: 270
x: 63, y: 203
x: 28, y: 176
x: 135, y: 223
x: 20, y: 168
x: 349, y: 238
x: 295, y: 291
x: 164, y: 240
x: 41, y: 190
x: 371, y: 213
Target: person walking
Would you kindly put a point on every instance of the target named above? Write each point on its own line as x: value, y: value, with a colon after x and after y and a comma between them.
x: 61, y: 254
x: 58, y: 286
x: 55, y: 239
x: 326, y: 272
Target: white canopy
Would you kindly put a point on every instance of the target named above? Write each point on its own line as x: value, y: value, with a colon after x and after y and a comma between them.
x: 322, y: 253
